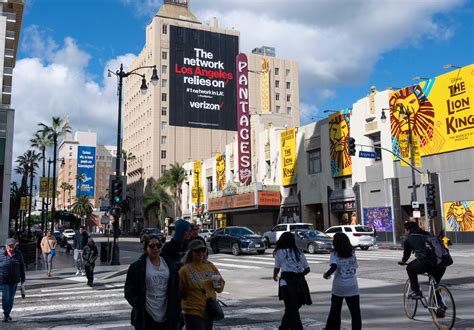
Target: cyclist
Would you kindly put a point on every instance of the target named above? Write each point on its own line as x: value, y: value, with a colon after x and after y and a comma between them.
x: 415, y: 243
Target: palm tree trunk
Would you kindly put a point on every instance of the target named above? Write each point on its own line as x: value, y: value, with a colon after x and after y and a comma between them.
x: 31, y: 198
x: 175, y: 205
x: 43, y: 222
x: 53, y: 207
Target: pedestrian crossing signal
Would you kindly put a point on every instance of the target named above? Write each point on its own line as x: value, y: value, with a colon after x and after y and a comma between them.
x: 351, y: 146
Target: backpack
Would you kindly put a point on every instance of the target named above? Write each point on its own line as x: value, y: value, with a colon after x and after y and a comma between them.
x: 439, y: 255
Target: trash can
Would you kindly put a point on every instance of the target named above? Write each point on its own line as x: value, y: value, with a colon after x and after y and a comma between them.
x: 105, y: 250
x: 28, y: 249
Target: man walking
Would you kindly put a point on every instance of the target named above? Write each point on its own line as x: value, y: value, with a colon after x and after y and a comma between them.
x: 80, y: 240
x: 12, y: 271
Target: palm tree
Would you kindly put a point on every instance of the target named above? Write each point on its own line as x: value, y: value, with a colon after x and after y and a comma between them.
x: 80, y: 177
x: 22, y: 169
x: 156, y: 202
x: 69, y: 188
x: 41, y: 141
x: 65, y: 186
x: 82, y: 207
x: 173, y: 179
x: 15, y: 199
x: 58, y: 128
x: 127, y: 156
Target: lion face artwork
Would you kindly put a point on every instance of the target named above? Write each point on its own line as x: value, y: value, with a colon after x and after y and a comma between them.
x: 338, y: 135
x: 459, y: 216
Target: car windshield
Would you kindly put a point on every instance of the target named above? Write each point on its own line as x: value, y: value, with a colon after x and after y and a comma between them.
x: 241, y: 231
x: 315, y: 234
x: 362, y: 229
x: 153, y: 231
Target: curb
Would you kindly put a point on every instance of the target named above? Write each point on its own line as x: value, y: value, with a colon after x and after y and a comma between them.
x: 115, y: 274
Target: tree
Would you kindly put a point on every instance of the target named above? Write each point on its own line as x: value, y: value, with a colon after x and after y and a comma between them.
x: 82, y: 206
x: 156, y: 202
x: 173, y: 178
x: 65, y: 186
x: 127, y: 156
x: 41, y: 141
x: 58, y: 128
x: 80, y: 177
x: 15, y: 200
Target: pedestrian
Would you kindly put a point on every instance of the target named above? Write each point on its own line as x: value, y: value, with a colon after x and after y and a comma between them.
x: 178, y: 245
x: 343, y: 263
x: 80, y: 240
x: 90, y: 255
x: 152, y: 289
x: 48, y: 247
x: 375, y: 235
x: 195, y: 234
x: 12, y: 271
x: 292, y: 286
x: 39, y: 239
x: 199, y: 279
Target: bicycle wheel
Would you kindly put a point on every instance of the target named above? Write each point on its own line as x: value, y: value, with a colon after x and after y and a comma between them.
x: 409, y: 304
x: 442, y: 308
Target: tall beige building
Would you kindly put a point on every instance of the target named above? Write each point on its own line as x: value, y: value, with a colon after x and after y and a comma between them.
x: 191, y: 114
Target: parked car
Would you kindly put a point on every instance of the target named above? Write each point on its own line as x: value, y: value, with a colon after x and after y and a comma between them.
x: 237, y: 240
x: 313, y: 241
x: 57, y: 235
x: 153, y: 232
x: 272, y: 236
x: 206, y: 234
x: 360, y: 236
x: 69, y: 233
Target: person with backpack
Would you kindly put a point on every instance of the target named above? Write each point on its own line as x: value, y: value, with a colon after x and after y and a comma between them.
x: 425, y: 259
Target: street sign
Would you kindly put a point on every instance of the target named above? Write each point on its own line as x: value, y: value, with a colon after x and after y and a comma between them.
x: 424, y: 178
x: 367, y: 154
x: 104, y: 208
x: 415, y: 204
x: 416, y: 214
x: 104, y: 220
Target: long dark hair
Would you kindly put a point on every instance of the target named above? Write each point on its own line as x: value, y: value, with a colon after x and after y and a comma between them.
x: 342, y: 245
x: 287, y: 241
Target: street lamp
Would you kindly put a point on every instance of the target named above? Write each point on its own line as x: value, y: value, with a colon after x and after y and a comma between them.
x: 417, y: 78
x: 449, y: 66
x: 120, y: 74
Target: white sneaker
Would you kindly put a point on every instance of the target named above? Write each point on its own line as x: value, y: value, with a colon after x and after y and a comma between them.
x: 83, y: 273
x: 77, y: 273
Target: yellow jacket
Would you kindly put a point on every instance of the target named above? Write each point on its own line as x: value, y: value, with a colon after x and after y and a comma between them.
x: 193, y: 301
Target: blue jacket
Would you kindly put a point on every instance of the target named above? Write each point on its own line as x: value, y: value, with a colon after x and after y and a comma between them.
x: 12, y: 269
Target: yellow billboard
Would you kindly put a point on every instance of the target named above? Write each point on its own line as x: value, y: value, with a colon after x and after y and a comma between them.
x: 405, y: 150
x: 288, y: 156
x: 265, y: 86
x: 440, y: 112
x: 339, y: 132
x: 43, y: 193
x: 459, y: 216
x: 197, y: 183
x: 220, y: 171
x: 25, y: 203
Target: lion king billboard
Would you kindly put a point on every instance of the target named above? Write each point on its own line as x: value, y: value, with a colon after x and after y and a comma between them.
x: 339, y: 131
x: 459, y: 216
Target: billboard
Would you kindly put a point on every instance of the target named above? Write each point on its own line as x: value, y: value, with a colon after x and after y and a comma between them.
x: 202, y: 79
x: 86, y: 166
x: 441, y: 114
x: 339, y: 132
x: 288, y: 156
x: 459, y: 216
x: 197, y: 193
x: 379, y: 218
x: 220, y: 171
x: 243, y: 120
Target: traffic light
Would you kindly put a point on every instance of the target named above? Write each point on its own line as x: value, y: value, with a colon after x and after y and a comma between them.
x: 352, y: 146
x: 117, y: 191
x: 430, y: 194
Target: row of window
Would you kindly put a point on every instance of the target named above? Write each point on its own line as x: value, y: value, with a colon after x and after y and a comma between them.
x: 277, y: 84
x: 278, y: 109
x: 288, y: 97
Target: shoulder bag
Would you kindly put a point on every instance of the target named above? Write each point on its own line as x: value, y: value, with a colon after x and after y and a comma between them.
x: 52, y: 251
x: 213, y: 308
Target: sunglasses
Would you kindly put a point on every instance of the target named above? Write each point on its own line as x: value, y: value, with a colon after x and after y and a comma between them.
x: 201, y: 250
x: 155, y: 245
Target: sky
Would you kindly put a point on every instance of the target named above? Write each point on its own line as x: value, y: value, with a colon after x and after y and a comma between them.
x: 342, y: 47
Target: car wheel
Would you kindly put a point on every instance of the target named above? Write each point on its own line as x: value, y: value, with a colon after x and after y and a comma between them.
x: 235, y: 249
x: 261, y: 251
x: 312, y: 248
x: 214, y: 248
x: 365, y: 248
x: 267, y: 242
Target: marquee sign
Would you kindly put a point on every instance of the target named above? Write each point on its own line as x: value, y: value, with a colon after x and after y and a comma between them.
x: 243, y: 120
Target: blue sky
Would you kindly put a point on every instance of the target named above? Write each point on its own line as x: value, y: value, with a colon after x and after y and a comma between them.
x: 342, y: 48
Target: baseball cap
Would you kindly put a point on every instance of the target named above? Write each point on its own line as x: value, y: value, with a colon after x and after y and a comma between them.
x: 10, y: 241
x: 196, y: 244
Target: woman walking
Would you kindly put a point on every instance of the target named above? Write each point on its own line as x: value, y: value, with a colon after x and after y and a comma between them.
x: 292, y: 286
x: 199, y: 279
x: 152, y: 289
x: 90, y: 255
x: 48, y: 247
x: 343, y: 263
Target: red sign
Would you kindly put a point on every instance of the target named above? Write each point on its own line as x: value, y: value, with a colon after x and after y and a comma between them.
x: 231, y: 202
x: 269, y: 198
x: 243, y: 120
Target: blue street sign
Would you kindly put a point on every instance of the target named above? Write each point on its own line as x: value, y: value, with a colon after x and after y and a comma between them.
x: 367, y: 154
x: 104, y: 208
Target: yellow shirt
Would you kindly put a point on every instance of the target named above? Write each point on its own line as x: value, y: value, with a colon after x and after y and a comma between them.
x: 193, y: 301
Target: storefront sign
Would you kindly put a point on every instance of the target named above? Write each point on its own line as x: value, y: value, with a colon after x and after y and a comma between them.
x: 288, y: 156
x: 266, y: 198
x: 244, y: 200
x: 343, y: 206
x: 243, y: 120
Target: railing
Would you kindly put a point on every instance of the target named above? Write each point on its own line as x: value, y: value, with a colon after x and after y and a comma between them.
x: 9, y: 52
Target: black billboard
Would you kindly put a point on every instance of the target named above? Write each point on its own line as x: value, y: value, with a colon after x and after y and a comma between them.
x: 202, y: 79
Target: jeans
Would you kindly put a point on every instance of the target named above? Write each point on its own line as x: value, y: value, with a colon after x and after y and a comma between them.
x: 419, y: 267
x: 334, y: 318
x: 151, y: 324
x: 8, y: 295
x: 194, y: 322
x: 79, y: 260
x: 90, y: 274
x: 291, y: 319
x: 48, y: 261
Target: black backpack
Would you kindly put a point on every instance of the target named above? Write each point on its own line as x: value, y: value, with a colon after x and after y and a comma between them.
x: 438, y: 254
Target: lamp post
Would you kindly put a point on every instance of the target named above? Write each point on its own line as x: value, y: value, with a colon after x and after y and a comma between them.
x: 120, y: 74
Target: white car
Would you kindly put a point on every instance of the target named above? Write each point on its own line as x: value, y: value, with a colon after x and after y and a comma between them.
x: 272, y: 236
x: 69, y: 233
x: 360, y: 236
x: 206, y: 234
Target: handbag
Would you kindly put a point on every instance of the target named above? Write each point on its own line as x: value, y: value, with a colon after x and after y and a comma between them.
x: 213, y: 306
x: 52, y: 251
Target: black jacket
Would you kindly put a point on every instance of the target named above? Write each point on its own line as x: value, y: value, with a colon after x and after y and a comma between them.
x: 415, y: 243
x: 297, y: 286
x: 135, y: 293
x: 80, y: 240
x: 174, y: 250
x: 12, y: 269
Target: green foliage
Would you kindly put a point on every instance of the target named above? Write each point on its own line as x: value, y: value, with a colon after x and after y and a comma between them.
x: 82, y: 206
x: 156, y: 202
x: 173, y: 178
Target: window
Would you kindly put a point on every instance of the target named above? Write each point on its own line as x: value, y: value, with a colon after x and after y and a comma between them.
x: 164, y: 29
x: 348, y: 229
x: 209, y: 183
x: 314, y: 161
x: 163, y: 154
x: 163, y: 168
x: 164, y: 68
x: 288, y: 98
x: 163, y: 83
x: 288, y: 72
x: 163, y: 140
x: 164, y: 55
x: 277, y: 71
x: 376, y: 143
x: 163, y: 97
x: 334, y: 230
x: 277, y: 83
x: 288, y: 110
x: 277, y: 109
x: 163, y: 125
x: 288, y: 84
x: 164, y: 110
x: 279, y: 228
x: 277, y: 96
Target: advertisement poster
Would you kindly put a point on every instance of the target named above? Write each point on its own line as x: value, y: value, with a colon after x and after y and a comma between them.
x: 339, y: 132
x: 441, y: 113
x: 459, y: 216
x: 197, y: 183
x: 378, y: 217
x: 288, y: 156
x: 43, y: 193
x: 220, y: 171
x: 405, y: 152
x: 202, y: 79
x: 85, y: 165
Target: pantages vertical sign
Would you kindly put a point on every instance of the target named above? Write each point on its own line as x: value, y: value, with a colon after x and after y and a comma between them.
x: 243, y: 119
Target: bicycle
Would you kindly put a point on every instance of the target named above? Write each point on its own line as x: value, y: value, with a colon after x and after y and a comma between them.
x: 440, y: 303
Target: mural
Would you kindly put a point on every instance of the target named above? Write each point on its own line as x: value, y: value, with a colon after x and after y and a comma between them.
x: 459, y: 216
x: 339, y: 130
x: 378, y: 217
